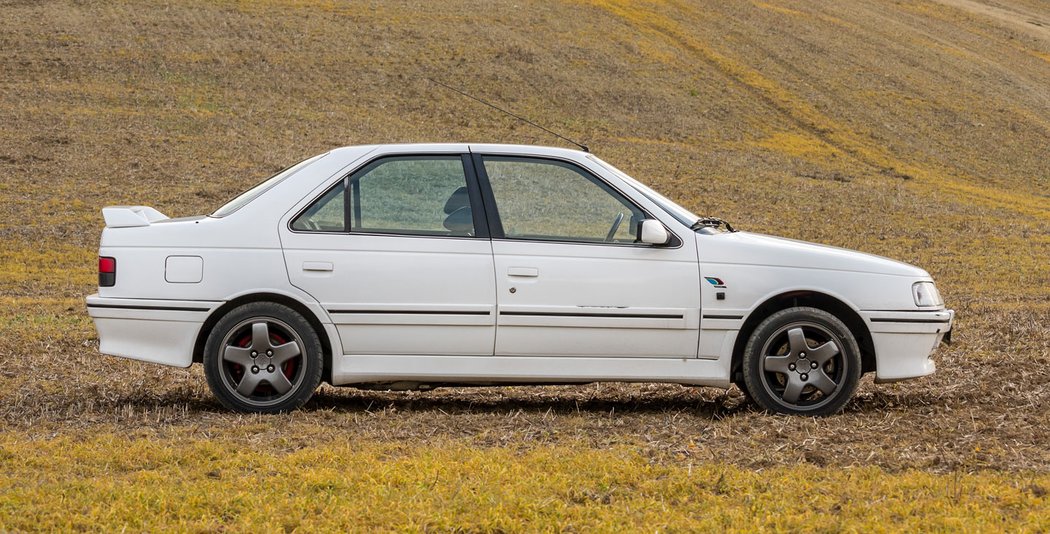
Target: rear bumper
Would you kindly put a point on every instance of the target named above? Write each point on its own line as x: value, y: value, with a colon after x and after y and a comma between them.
x: 905, y: 340
x: 156, y: 331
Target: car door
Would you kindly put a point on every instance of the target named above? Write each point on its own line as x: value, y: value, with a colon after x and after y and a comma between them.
x: 398, y: 254
x: 571, y: 277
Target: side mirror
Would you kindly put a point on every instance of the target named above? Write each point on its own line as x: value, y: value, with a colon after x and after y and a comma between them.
x: 653, y: 232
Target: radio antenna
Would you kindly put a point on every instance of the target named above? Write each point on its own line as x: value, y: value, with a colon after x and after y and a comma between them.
x: 582, y: 146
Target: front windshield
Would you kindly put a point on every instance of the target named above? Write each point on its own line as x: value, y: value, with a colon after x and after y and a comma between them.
x: 240, y: 200
x: 680, y: 214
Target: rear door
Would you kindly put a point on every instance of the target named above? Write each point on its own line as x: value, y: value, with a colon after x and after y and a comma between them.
x: 571, y: 278
x: 398, y: 254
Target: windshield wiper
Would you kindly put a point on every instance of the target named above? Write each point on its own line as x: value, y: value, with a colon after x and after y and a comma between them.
x: 711, y: 222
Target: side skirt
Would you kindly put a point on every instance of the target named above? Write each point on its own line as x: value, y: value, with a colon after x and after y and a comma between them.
x: 354, y: 369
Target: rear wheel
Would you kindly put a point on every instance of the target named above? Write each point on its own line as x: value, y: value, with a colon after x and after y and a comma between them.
x: 802, y: 361
x: 263, y: 357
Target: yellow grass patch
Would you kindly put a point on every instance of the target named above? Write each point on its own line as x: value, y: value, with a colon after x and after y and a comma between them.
x: 800, y: 145
x: 55, y: 264
x: 114, y: 483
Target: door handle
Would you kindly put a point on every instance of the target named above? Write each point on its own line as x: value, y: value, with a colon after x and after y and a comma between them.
x: 322, y: 266
x: 525, y: 272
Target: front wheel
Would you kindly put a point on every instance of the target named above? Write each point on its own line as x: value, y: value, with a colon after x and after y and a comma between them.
x: 802, y: 361
x: 263, y: 357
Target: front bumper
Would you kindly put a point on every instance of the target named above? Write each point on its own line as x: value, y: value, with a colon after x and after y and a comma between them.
x: 157, y: 331
x: 904, y: 341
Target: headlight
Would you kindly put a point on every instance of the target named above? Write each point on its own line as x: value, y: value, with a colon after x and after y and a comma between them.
x: 926, y: 294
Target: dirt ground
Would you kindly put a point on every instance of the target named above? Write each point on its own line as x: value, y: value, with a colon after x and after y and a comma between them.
x: 912, y: 129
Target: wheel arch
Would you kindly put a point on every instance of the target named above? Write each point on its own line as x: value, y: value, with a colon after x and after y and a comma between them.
x: 813, y: 299
x: 218, y: 313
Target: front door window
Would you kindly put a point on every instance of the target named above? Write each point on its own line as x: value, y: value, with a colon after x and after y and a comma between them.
x: 555, y: 201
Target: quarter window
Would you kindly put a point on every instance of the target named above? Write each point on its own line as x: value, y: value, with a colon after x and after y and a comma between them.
x: 552, y: 200
x: 327, y: 214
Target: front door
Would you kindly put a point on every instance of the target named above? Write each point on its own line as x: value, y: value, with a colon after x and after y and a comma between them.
x: 571, y: 278
x: 399, y: 256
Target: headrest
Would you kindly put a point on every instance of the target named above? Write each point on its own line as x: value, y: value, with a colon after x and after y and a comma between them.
x: 460, y: 222
x: 459, y: 199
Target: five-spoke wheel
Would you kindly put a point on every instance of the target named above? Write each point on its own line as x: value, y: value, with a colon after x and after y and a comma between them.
x: 263, y: 357
x: 802, y: 361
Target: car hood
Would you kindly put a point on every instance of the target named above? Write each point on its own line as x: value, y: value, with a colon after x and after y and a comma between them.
x: 744, y: 248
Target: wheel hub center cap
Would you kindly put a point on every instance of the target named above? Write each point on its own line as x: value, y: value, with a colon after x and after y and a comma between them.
x: 264, y: 363
x: 804, y: 366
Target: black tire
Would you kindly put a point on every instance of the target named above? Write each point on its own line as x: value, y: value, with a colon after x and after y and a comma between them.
x: 802, y: 361
x: 263, y: 357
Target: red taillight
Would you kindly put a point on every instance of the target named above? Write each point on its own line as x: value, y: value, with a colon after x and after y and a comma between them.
x: 107, y: 271
x: 107, y: 265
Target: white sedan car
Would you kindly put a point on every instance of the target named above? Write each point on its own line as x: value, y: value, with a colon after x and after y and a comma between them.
x: 417, y: 266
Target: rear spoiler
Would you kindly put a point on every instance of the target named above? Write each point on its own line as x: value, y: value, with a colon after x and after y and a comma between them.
x: 129, y: 216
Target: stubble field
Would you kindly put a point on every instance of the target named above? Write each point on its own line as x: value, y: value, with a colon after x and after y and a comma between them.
x: 912, y: 129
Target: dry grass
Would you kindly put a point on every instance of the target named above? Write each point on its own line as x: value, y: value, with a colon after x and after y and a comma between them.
x: 912, y: 129
x: 208, y: 484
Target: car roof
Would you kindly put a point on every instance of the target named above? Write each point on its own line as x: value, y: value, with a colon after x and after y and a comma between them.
x: 481, y: 148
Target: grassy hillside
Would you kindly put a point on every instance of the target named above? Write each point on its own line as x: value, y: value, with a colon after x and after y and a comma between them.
x: 912, y: 129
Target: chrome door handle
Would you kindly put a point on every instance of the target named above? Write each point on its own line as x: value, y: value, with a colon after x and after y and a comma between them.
x: 322, y: 266
x: 525, y: 272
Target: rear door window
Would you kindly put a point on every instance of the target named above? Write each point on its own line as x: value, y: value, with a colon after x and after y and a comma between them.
x: 406, y: 195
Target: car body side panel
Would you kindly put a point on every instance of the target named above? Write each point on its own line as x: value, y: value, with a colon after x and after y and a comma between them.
x: 238, y: 257
x: 901, y: 339
x: 753, y: 267
x: 396, y: 294
x: 595, y: 300
x: 152, y: 330
x: 243, y: 253
x: 400, y: 295
x: 226, y: 272
x: 748, y: 270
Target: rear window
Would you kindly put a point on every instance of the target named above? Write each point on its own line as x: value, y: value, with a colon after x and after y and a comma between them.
x: 244, y: 198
